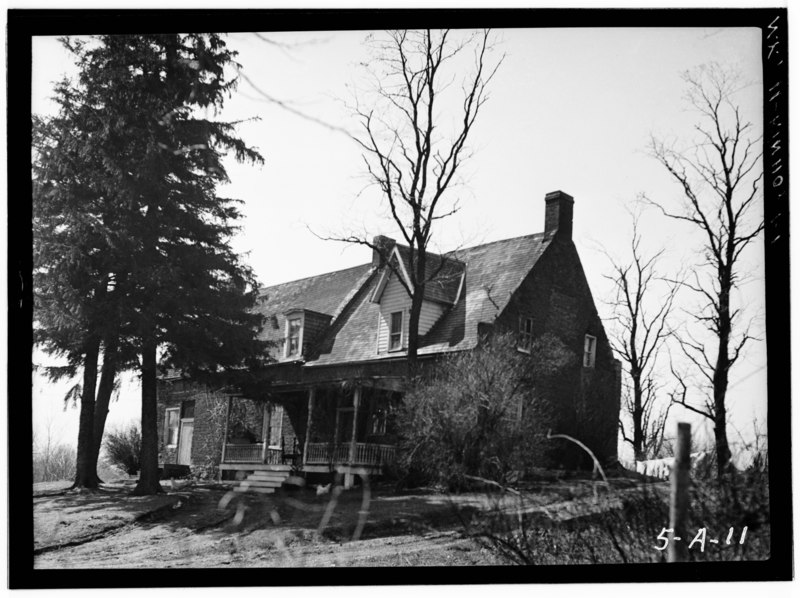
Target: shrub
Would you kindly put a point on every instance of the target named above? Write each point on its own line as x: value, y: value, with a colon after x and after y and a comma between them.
x: 53, y: 462
x: 122, y: 447
x: 473, y: 416
x: 622, y: 526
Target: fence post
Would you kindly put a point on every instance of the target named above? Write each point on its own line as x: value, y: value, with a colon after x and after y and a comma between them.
x: 678, y: 550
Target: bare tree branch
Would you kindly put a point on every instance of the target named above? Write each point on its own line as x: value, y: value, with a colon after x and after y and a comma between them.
x: 407, y: 151
x: 719, y: 177
x: 639, y: 333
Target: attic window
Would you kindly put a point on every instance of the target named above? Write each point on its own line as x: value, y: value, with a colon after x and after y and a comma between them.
x: 589, y: 350
x: 396, y: 331
x: 294, y: 329
x: 525, y: 338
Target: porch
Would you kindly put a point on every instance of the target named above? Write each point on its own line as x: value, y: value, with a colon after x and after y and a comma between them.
x: 343, y: 428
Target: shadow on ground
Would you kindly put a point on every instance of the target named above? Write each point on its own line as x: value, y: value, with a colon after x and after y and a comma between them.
x: 207, y: 525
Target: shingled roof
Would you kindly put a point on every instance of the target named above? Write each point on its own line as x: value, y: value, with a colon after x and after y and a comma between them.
x: 443, y: 273
x: 493, y: 272
x: 326, y: 294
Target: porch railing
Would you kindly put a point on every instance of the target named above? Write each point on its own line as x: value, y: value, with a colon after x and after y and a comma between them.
x: 318, y: 453
x: 252, y: 453
x: 366, y: 453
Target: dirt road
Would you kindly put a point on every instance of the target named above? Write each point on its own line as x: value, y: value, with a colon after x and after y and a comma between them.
x: 209, y: 526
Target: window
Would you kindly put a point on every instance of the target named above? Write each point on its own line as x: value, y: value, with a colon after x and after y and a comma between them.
x: 589, y: 349
x: 171, y: 422
x: 525, y: 334
x: 275, y: 425
x: 294, y: 326
x: 396, y: 331
x: 187, y: 410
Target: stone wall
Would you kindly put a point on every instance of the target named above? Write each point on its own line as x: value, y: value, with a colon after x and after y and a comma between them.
x: 584, y: 400
x: 209, y: 418
x: 245, y: 426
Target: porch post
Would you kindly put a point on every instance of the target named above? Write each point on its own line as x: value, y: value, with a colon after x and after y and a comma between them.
x: 265, y: 417
x: 348, y: 480
x: 311, y: 396
x: 227, y: 423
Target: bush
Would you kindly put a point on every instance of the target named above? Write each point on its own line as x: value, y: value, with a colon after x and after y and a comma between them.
x: 122, y: 447
x: 474, y: 416
x: 626, y: 528
x: 53, y: 462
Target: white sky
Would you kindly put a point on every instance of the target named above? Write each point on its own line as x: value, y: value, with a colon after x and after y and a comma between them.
x: 570, y: 109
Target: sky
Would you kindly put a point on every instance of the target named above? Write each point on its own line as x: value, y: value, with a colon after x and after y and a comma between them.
x: 569, y: 109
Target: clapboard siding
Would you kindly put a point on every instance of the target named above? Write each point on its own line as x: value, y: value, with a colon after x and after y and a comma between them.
x: 395, y: 299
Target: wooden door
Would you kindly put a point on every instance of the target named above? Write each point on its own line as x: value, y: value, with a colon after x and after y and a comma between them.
x: 185, y: 442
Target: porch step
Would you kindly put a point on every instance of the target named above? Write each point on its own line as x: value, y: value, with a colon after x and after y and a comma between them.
x: 272, y: 476
x: 250, y: 483
x: 263, y: 481
x: 257, y: 490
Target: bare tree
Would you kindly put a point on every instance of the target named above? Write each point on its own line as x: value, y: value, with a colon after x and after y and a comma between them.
x: 642, y: 303
x: 52, y: 460
x: 414, y: 146
x: 719, y: 176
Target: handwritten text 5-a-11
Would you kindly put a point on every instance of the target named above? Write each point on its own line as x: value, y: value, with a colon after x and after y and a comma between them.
x: 701, y: 537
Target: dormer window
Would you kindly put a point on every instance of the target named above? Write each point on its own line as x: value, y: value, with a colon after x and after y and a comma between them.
x: 294, y: 336
x: 589, y: 350
x: 301, y: 329
x: 525, y: 338
x: 396, y: 331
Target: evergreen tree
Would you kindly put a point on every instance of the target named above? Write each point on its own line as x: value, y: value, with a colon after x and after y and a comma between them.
x: 73, y: 276
x: 156, y: 160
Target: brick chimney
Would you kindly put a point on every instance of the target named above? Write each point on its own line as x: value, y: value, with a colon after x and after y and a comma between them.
x: 381, y: 246
x: 558, y: 214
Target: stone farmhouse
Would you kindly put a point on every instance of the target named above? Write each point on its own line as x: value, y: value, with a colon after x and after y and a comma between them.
x: 339, y: 348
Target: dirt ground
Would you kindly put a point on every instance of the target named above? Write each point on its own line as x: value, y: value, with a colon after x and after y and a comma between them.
x: 209, y: 526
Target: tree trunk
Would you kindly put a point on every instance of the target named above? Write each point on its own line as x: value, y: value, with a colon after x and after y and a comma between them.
x: 85, y: 473
x: 418, y: 259
x: 109, y: 371
x: 104, y: 391
x: 720, y: 380
x: 148, y: 476
x: 413, y: 331
x: 638, y: 432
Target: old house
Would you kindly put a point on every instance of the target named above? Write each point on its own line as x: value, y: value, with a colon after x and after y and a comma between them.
x: 340, y: 343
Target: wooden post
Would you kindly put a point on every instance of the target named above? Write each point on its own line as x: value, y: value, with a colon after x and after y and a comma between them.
x: 678, y: 550
x: 336, y: 421
x: 348, y: 478
x: 312, y: 392
x: 227, y: 423
x: 265, y: 423
x: 356, y: 401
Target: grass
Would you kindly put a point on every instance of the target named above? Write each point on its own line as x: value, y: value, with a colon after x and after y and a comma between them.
x: 566, y: 520
x: 625, y: 526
